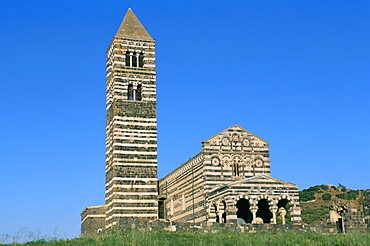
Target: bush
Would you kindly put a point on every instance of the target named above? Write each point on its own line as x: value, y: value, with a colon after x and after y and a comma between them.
x: 324, y: 187
x: 334, y: 188
x: 350, y: 195
x: 344, y: 189
x: 326, y: 197
x: 315, y: 188
x: 306, y: 195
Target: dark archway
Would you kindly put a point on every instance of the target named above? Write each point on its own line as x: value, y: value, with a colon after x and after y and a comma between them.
x: 244, y: 211
x: 263, y: 211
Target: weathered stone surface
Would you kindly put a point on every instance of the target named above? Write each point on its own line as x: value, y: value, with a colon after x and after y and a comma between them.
x: 348, y: 216
x: 227, y: 182
x: 93, y: 220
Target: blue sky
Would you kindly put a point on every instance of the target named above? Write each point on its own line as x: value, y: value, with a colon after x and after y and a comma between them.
x: 295, y: 73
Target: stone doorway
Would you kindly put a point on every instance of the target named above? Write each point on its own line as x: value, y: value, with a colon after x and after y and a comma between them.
x: 161, y: 209
x: 263, y: 211
x: 244, y: 214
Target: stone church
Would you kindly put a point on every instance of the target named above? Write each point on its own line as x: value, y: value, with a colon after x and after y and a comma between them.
x: 227, y: 182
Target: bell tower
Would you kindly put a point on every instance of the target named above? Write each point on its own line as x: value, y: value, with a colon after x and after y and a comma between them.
x: 131, y: 125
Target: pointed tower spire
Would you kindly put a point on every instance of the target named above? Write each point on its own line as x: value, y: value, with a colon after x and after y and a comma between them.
x: 132, y: 28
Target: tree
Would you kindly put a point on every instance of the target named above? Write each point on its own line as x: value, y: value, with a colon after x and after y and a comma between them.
x: 326, y: 197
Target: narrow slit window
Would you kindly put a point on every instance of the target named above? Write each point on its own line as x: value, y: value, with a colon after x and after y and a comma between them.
x: 130, y: 92
x: 138, y: 93
x: 128, y: 58
x: 141, y: 60
x: 134, y: 60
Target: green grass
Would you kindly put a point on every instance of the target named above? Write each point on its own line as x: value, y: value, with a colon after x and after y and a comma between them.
x: 178, y: 239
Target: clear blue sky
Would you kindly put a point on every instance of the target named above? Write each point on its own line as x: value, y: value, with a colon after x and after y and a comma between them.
x: 295, y: 73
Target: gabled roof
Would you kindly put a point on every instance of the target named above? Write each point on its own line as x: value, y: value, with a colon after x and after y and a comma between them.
x: 262, y: 178
x: 132, y: 28
x: 236, y: 126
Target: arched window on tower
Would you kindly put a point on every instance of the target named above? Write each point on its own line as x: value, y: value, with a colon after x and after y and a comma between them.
x: 134, y: 59
x: 130, y: 92
x: 128, y: 63
x: 138, y: 93
x: 141, y: 59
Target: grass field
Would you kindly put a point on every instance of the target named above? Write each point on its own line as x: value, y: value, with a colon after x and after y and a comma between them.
x: 167, y: 238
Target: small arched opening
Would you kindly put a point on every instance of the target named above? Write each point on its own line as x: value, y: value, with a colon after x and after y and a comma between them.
x: 134, y: 59
x: 138, y: 93
x: 283, y: 203
x: 128, y: 59
x: 263, y: 211
x: 130, y: 92
x: 244, y: 214
x: 141, y: 59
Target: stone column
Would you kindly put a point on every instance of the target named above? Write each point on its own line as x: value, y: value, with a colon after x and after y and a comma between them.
x: 254, y: 209
x: 282, y: 212
x: 273, y: 210
x: 131, y: 54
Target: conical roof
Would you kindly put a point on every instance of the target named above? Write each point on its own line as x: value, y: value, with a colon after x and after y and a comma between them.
x: 132, y: 28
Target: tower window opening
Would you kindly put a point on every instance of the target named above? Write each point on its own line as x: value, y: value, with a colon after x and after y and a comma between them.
x: 130, y: 92
x: 236, y: 169
x: 134, y: 93
x: 134, y: 59
x: 138, y: 93
x: 128, y: 57
x: 141, y: 59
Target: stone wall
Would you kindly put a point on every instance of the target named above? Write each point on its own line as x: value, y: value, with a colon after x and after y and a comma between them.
x: 350, y: 216
x: 365, y: 202
x: 93, y: 220
x: 166, y: 225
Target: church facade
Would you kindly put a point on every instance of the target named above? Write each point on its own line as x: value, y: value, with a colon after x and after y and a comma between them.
x: 227, y: 182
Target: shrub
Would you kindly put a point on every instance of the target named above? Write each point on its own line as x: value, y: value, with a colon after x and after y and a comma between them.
x: 315, y: 188
x: 326, y: 197
x: 350, y: 195
x: 334, y: 188
x: 306, y: 196
x: 324, y: 187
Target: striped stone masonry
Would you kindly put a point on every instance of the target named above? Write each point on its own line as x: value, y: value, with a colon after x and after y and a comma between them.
x: 229, y: 182
x: 131, y: 134
x: 131, y: 190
